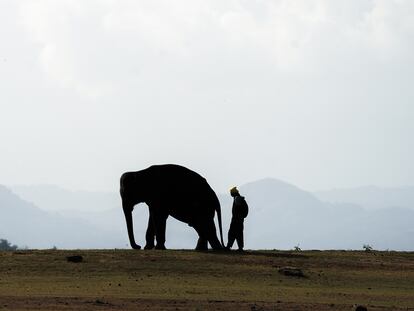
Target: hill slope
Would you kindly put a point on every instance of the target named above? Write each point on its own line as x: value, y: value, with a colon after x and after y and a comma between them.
x: 371, y: 197
x: 25, y: 224
x: 281, y: 216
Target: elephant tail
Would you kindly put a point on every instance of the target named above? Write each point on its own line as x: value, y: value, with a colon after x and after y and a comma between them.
x: 218, y: 211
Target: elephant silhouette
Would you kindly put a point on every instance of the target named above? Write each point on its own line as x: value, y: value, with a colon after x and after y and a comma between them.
x: 174, y: 190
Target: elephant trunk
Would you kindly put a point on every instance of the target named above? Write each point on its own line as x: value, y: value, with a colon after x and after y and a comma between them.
x: 130, y: 227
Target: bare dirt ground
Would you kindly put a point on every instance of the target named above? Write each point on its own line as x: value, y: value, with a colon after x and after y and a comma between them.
x: 189, y: 280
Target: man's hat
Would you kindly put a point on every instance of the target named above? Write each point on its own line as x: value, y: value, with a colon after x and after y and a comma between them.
x: 234, y: 191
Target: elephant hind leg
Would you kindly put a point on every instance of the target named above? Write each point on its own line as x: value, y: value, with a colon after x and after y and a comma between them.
x: 202, y: 238
x: 202, y: 244
x: 207, y: 233
x: 215, y: 243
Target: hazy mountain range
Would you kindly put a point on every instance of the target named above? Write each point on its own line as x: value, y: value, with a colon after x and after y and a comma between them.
x: 281, y: 216
x: 26, y: 224
x: 371, y: 197
x: 286, y: 215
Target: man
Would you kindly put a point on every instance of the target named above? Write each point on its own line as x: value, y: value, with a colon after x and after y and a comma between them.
x: 239, y: 213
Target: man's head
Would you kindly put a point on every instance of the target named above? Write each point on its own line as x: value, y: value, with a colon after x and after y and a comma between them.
x: 234, y: 192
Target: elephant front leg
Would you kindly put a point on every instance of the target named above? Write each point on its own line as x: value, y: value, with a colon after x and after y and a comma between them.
x: 160, y: 221
x: 150, y: 234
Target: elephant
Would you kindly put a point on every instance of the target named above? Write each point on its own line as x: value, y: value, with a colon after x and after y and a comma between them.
x: 175, y: 190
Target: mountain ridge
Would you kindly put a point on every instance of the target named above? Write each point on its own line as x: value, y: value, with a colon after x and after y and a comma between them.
x: 281, y: 216
x: 370, y: 197
x: 25, y: 224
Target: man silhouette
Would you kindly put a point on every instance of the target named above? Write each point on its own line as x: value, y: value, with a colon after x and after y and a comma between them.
x: 240, y: 210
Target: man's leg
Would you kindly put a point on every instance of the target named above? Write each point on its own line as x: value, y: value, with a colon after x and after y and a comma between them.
x: 240, y: 238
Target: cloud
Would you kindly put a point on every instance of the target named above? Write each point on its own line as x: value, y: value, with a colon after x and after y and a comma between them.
x: 296, y: 85
x: 89, y: 45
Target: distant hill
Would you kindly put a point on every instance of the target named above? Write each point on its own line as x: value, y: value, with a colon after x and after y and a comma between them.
x: 25, y: 224
x: 281, y: 217
x: 370, y: 197
x: 54, y: 198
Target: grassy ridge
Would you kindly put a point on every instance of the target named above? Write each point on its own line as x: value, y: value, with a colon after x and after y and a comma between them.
x: 335, y: 280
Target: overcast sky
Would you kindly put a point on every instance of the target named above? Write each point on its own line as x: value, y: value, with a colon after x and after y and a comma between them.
x: 316, y: 93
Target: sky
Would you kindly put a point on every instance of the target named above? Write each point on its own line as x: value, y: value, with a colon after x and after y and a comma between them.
x: 316, y: 93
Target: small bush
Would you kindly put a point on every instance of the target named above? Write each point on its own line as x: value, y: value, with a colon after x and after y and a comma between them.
x: 367, y: 248
x: 7, y: 246
x: 296, y: 248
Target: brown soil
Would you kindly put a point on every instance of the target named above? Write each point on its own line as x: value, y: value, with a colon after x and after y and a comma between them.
x: 188, y: 280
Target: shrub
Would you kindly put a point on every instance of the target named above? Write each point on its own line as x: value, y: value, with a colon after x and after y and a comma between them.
x: 367, y: 247
x: 7, y: 246
x: 297, y: 248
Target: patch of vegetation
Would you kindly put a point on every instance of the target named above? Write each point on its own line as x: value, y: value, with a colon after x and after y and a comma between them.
x: 187, y: 280
x: 367, y: 248
x: 7, y: 246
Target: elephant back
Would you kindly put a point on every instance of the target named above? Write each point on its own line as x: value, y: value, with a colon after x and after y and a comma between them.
x: 182, y: 189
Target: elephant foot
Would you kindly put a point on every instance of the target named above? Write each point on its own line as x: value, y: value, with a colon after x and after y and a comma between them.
x: 201, y: 245
x: 149, y: 246
x: 201, y: 249
x: 135, y: 246
x: 216, y: 245
x: 160, y: 247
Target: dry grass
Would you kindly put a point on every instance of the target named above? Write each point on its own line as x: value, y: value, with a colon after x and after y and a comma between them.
x: 188, y: 280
